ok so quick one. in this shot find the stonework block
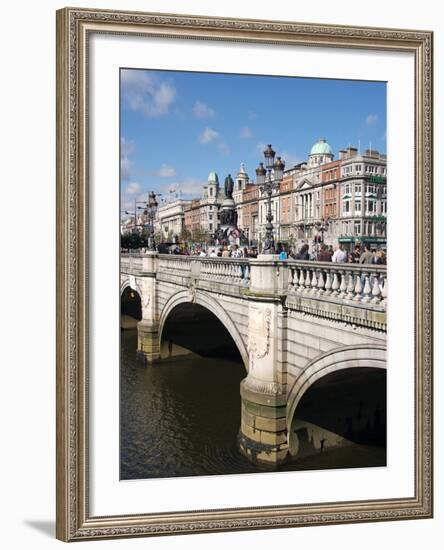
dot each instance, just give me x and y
(273, 438)
(270, 424)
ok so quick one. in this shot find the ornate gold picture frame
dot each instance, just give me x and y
(75, 27)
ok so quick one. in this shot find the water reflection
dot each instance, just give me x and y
(181, 418)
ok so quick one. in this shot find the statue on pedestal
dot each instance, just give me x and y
(229, 186)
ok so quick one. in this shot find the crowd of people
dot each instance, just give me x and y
(217, 251)
(361, 253)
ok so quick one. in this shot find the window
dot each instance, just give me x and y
(370, 205)
(210, 190)
(347, 188)
(358, 167)
(346, 207)
(357, 228)
(358, 206)
(211, 226)
(357, 187)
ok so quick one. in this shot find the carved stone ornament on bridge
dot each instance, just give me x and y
(192, 292)
(259, 334)
(261, 386)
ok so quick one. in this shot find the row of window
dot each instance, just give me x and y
(370, 206)
(367, 168)
(365, 228)
(369, 188)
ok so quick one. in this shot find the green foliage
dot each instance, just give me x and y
(132, 241)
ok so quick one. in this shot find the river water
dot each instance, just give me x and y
(182, 418)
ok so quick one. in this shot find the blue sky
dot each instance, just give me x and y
(176, 127)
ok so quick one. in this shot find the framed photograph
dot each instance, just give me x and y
(244, 274)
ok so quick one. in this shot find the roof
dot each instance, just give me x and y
(212, 177)
(321, 147)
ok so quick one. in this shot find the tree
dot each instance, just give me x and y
(185, 235)
(132, 241)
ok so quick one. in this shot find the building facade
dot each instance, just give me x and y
(170, 219)
(320, 200)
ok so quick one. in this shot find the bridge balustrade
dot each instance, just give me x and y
(359, 284)
(356, 284)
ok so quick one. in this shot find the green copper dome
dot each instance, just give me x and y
(321, 147)
(212, 177)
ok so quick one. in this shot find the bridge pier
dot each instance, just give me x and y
(148, 344)
(263, 434)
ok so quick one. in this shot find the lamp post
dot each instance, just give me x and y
(321, 228)
(269, 178)
(150, 212)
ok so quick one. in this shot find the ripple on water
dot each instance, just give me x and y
(182, 418)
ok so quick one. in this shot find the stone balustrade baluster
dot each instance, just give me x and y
(290, 287)
(384, 293)
(350, 287)
(358, 289)
(376, 290)
(327, 291)
(321, 283)
(247, 274)
(307, 281)
(367, 290)
(301, 281)
(314, 282)
(295, 279)
(343, 286)
(335, 285)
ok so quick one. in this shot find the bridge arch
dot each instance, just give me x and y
(125, 283)
(212, 305)
(332, 361)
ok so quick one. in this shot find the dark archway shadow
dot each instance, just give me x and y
(343, 412)
(195, 328)
(350, 402)
(131, 304)
(47, 527)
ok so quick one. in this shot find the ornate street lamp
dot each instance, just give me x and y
(269, 179)
(150, 212)
(321, 228)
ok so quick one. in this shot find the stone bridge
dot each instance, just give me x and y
(293, 322)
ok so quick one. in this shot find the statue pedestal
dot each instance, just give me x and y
(228, 221)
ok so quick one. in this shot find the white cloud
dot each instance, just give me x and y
(126, 148)
(133, 188)
(223, 148)
(202, 110)
(208, 135)
(125, 168)
(166, 171)
(246, 132)
(371, 120)
(290, 159)
(147, 93)
(186, 188)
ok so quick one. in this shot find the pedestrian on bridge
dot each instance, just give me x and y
(340, 256)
